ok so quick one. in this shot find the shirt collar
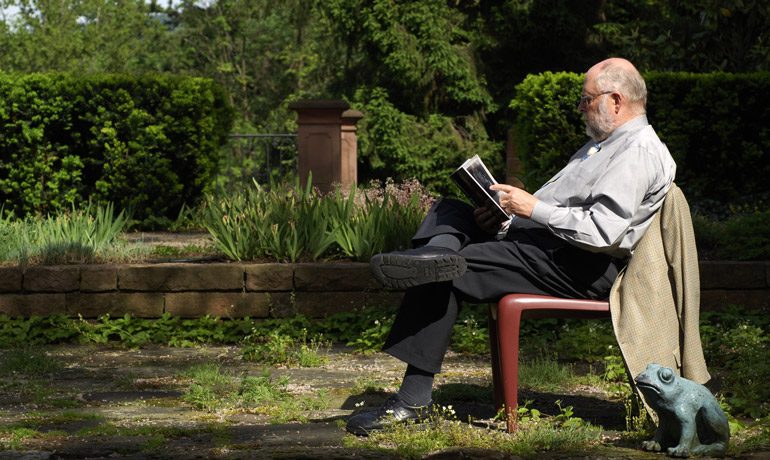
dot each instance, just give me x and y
(633, 124)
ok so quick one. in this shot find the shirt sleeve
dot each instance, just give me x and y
(598, 219)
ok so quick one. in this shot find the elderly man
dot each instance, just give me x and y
(569, 239)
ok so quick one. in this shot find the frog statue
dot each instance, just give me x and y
(690, 419)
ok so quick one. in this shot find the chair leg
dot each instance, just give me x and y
(497, 384)
(508, 327)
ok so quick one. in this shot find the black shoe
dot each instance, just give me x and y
(392, 411)
(427, 264)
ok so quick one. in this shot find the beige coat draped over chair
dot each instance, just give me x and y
(655, 301)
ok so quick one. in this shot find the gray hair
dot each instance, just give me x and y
(624, 79)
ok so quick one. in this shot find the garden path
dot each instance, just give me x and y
(103, 402)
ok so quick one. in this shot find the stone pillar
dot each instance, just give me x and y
(326, 142)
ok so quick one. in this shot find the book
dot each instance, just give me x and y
(474, 179)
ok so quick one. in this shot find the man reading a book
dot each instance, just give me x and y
(569, 239)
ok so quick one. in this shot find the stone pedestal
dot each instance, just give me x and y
(326, 142)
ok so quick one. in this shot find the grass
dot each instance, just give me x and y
(545, 374)
(443, 431)
(213, 390)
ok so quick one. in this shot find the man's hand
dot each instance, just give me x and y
(487, 221)
(515, 200)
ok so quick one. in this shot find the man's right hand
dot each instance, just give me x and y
(487, 221)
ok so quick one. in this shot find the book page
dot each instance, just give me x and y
(483, 177)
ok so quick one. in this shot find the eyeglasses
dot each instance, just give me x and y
(586, 100)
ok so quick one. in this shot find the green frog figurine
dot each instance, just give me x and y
(690, 419)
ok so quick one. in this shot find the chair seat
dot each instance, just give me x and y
(505, 326)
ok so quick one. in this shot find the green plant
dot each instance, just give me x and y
(537, 433)
(292, 222)
(468, 336)
(544, 374)
(213, 390)
(742, 235)
(427, 147)
(78, 236)
(277, 348)
(716, 140)
(586, 340)
(28, 361)
(145, 143)
(735, 340)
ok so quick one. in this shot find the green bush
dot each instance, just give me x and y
(548, 127)
(736, 341)
(401, 146)
(742, 236)
(715, 125)
(148, 144)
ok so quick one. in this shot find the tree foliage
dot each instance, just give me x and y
(434, 77)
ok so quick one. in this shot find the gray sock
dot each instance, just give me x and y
(445, 240)
(417, 387)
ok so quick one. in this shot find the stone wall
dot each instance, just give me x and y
(231, 290)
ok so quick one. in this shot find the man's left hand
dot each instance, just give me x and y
(515, 200)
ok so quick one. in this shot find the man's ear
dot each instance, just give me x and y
(617, 101)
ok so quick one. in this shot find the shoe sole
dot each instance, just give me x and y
(400, 271)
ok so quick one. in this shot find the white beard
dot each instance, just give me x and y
(601, 125)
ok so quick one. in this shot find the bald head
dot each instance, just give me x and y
(620, 76)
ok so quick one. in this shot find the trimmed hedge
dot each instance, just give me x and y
(145, 143)
(717, 127)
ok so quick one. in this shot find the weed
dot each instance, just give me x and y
(470, 334)
(79, 236)
(215, 391)
(29, 361)
(442, 430)
(545, 374)
(279, 349)
(13, 438)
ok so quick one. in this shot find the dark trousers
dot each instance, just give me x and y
(530, 260)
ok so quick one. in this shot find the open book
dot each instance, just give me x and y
(474, 179)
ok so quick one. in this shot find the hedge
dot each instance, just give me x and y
(717, 127)
(144, 143)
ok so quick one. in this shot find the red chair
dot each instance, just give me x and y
(504, 327)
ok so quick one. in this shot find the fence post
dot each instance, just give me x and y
(326, 142)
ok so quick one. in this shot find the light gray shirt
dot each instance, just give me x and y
(606, 196)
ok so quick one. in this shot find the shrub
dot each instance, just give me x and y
(402, 146)
(743, 236)
(146, 143)
(715, 126)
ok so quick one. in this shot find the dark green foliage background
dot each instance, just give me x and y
(148, 144)
(716, 126)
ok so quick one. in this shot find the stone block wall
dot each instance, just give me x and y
(273, 290)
